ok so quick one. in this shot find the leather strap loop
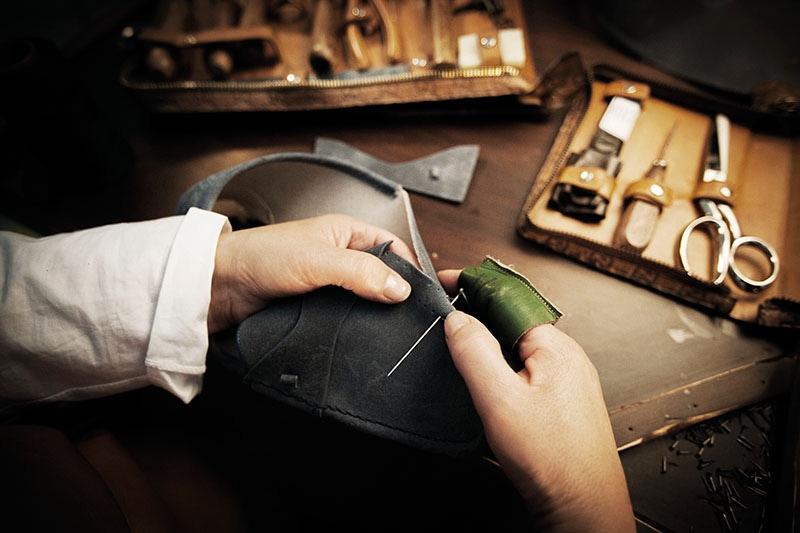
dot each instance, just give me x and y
(593, 179)
(718, 191)
(627, 89)
(649, 190)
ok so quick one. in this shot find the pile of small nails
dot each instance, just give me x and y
(734, 491)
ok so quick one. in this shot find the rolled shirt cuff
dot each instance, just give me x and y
(176, 353)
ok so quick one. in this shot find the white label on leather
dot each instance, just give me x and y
(512, 47)
(468, 52)
(620, 117)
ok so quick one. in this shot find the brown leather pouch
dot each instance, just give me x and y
(267, 55)
(763, 170)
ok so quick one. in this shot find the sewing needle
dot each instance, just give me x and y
(438, 318)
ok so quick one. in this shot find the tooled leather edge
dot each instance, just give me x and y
(779, 313)
(639, 271)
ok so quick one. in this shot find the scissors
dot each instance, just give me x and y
(713, 198)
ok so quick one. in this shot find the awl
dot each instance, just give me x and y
(644, 200)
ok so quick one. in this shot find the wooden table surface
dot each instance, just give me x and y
(662, 364)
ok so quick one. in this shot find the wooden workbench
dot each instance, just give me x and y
(663, 365)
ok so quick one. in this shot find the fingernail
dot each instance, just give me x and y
(455, 321)
(396, 289)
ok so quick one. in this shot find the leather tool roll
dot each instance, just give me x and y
(763, 170)
(248, 56)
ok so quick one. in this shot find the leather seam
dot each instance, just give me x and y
(332, 358)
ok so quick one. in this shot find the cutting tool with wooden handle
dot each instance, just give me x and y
(644, 200)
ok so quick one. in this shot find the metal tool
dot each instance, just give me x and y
(391, 34)
(417, 45)
(219, 59)
(713, 198)
(444, 47)
(645, 198)
(494, 8)
(171, 16)
(357, 15)
(586, 183)
(416, 343)
(365, 18)
(325, 49)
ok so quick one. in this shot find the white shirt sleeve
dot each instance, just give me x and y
(108, 309)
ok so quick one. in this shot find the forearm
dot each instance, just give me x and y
(95, 312)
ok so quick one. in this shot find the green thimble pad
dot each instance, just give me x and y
(505, 301)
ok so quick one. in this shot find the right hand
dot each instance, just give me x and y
(546, 424)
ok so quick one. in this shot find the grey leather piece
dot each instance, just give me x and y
(292, 186)
(446, 174)
(328, 352)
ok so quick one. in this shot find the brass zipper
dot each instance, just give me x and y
(327, 83)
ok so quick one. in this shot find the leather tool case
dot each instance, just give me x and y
(297, 55)
(763, 171)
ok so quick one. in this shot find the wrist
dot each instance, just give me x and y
(220, 309)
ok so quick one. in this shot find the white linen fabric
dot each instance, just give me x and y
(107, 309)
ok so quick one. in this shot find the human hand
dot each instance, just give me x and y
(547, 424)
(256, 265)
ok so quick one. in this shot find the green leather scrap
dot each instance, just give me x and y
(505, 301)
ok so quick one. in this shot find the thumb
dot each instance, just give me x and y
(477, 356)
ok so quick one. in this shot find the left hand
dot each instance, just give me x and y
(254, 266)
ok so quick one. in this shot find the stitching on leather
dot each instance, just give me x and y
(332, 357)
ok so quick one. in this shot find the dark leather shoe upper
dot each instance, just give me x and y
(328, 352)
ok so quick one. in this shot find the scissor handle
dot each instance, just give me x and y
(723, 245)
(725, 260)
(745, 282)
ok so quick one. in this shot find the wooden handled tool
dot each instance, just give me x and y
(644, 200)
(220, 61)
(416, 33)
(325, 52)
(444, 48)
(171, 16)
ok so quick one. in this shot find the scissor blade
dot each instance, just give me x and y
(723, 126)
(716, 168)
(712, 158)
